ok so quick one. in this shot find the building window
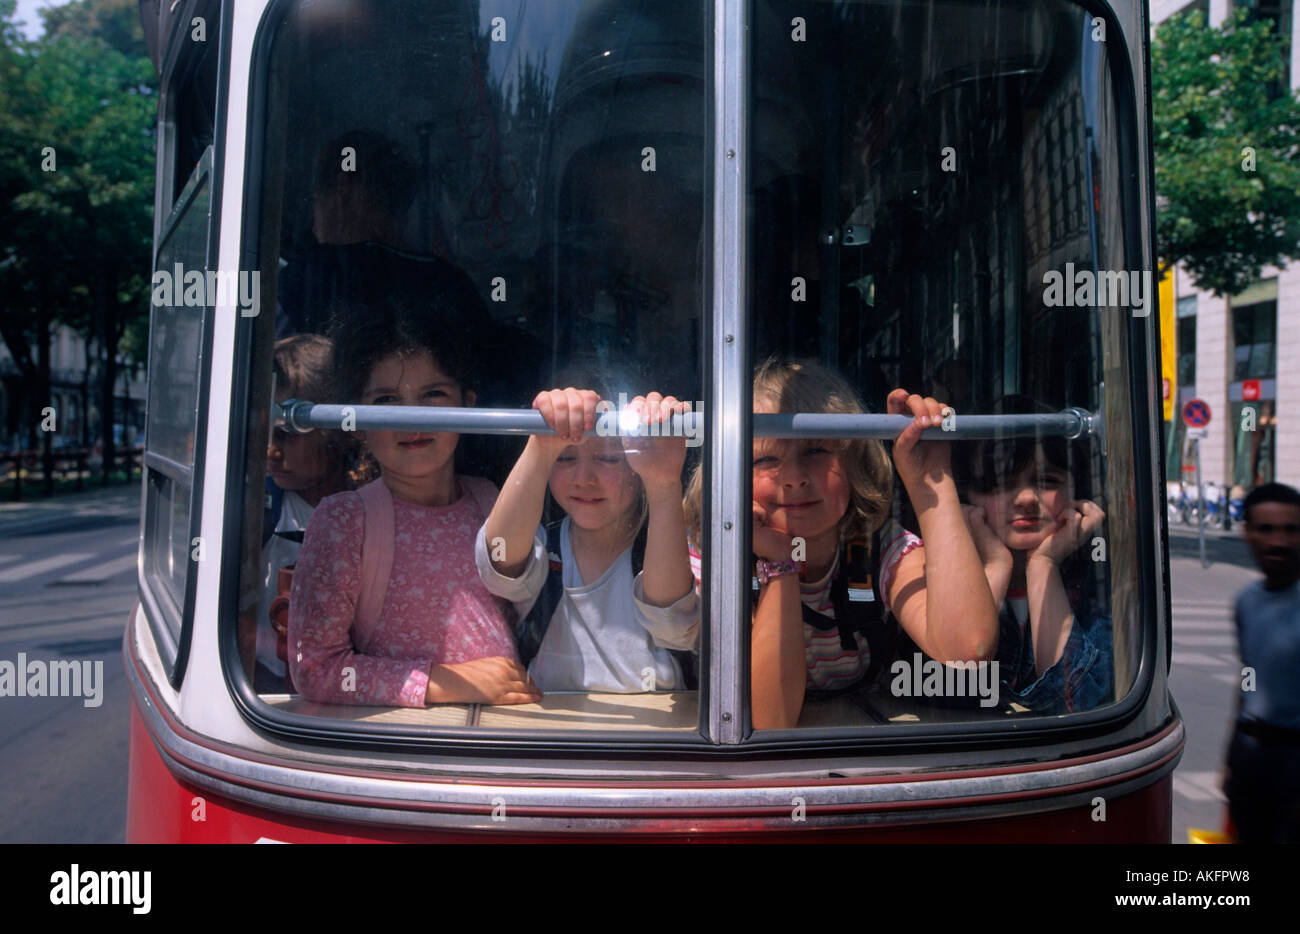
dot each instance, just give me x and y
(1254, 338)
(1185, 339)
(1277, 13)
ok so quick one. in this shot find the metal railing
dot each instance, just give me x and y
(302, 416)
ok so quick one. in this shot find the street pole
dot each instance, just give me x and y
(1200, 510)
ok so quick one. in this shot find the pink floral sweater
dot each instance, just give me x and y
(436, 610)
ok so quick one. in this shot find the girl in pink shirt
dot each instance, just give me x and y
(434, 634)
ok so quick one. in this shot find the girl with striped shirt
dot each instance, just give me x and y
(822, 524)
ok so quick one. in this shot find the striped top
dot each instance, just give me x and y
(830, 666)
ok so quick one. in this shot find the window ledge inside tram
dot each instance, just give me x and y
(677, 710)
(661, 711)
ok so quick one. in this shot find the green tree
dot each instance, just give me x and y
(1227, 143)
(76, 178)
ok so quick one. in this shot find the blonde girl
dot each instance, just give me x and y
(615, 628)
(821, 518)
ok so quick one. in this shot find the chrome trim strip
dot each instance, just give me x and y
(729, 442)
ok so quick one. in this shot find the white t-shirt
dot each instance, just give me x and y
(604, 637)
(277, 553)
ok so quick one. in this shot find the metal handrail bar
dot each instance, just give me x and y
(303, 416)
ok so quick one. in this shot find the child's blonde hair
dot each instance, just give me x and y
(602, 380)
(805, 386)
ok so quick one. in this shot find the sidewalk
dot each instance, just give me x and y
(1220, 547)
(120, 501)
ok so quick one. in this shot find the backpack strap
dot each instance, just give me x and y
(532, 628)
(273, 507)
(859, 605)
(638, 550)
(376, 551)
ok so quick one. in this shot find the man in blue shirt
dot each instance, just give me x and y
(1263, 785)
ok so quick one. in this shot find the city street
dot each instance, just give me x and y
(1206, 672)
(67, 583)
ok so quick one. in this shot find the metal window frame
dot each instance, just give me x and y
(169, 619)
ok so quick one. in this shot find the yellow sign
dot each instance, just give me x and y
(1168, 352)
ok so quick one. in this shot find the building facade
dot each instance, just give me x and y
(1240, 354)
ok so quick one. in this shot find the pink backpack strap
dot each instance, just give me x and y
(376, 552)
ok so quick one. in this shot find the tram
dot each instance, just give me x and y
(681, 190)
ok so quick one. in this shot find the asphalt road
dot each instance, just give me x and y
(1205, 676)
(67, 583)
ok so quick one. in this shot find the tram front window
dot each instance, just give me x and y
(476, 206)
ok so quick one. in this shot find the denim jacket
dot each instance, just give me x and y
(1082, 678)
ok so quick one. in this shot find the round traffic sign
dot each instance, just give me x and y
(1196, 413)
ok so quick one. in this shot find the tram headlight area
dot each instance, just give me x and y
(303, 416)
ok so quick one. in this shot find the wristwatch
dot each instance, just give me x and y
(766, 570)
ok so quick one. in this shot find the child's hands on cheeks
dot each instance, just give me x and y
(658, 460)
(915, 460)
(495, 680)
(993, 553)
(1073, 526)
(769, 542)
(570, 412)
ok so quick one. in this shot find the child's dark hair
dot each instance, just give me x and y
(992, 464)
(366, 331)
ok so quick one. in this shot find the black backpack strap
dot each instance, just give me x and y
(860, 572)
(638, 550)
(273, 506)
(532, 628)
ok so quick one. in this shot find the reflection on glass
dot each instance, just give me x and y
(909, 207)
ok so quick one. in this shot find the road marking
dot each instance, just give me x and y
(1201, 609)
(1198, 786)
(1226, 642)
(1223, 625)
(24, 571)
(1195, 658)
(97, 574)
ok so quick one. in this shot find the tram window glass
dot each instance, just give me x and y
(175, 346)
(531, 184)
(191, 103)
(919, 170)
